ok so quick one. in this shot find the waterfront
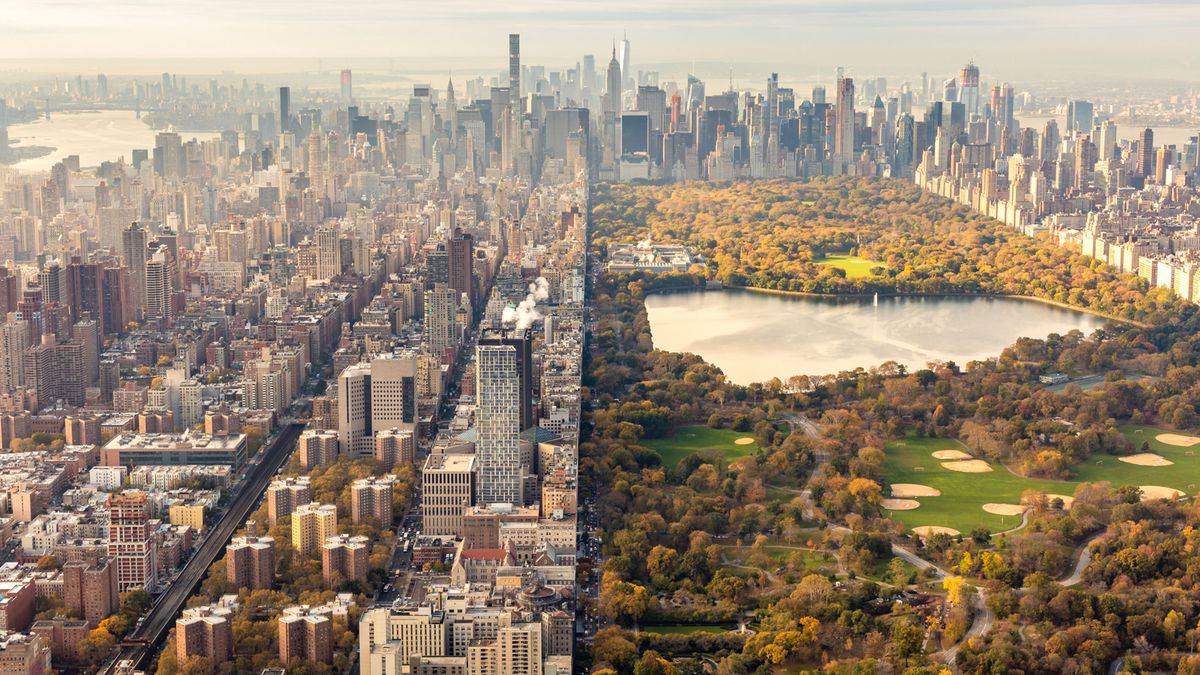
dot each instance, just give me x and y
(95, 135)
(1126, 130)
(754, 336)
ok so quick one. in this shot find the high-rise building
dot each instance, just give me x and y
(372, 498)
(14, 338)
(521, 340)
(394, 448)
(623, 58)
(191, 408)
(131, 543)
(312, 524)
(968, 88)
(317, 448)
(133, 240)
(843, 130)
(413, 631)
(462, 264)
(1146, 152)
(514, 70)
(54, 371)
(376, 396)
(393, 395)
(519, 648)
(206, 632)
(1107, 143)
(1079, 116)
(447, 491)
(440, 330)
(285, 495)
(90, 590)
(169, 160)
(250, 562)
(160, 276)
(354, 411)
(329, 250)
(347, 87)
(345, 558)
(285, 110)
(306, 635)
(498, 417)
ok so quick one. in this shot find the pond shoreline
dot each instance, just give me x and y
(944, 294)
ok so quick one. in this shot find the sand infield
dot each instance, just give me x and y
(1004, 509)
(968, 466)
(1067, 501)
(1146, 459)
(950, 454)
(1179, 440)
(744, 441)
(900, 504)
(1150, 492)
(903, 490)
(929, 530)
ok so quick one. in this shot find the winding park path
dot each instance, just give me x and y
(1081, 563)
(983, 617)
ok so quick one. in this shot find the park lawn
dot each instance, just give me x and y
(690, 629)
(854, 266)
(1183, 475)
(960, 505)
(697, 438)
(814, 560)
(878, 570)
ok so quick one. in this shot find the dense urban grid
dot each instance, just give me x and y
(310, 395)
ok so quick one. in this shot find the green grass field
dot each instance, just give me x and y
(690, 439)
(960, 505)
(690, 629)
(778, 556)
(854, 266)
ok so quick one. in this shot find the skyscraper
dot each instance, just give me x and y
(522, 343)
(843, 130)
(461, 264)
(285, 110)
(514, 70)
(160, 274)
(133, 240)
(1079, 116)
(968, 88)
(499, 419)
(347, 87)
(1146, 152)
(624, 60)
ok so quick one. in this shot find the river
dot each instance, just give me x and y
(753, 336)
(95, 135)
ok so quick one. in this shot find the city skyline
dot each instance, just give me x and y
(1016, 39)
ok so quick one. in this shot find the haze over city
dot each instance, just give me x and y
(1091, 39)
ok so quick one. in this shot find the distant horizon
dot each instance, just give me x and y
(1016, 40)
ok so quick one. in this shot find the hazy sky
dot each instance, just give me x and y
(1043, 39)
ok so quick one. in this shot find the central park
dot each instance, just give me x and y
(893, 500)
